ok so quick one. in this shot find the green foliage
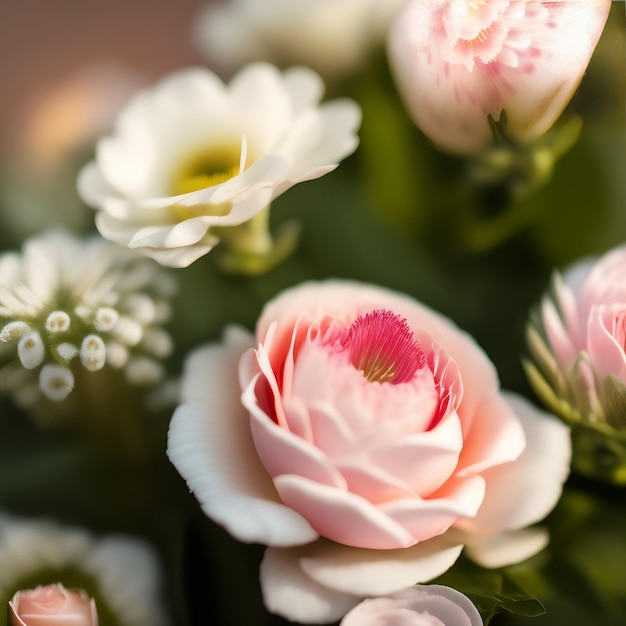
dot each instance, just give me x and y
(491, 591)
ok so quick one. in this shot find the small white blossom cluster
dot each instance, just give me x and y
(67, 302)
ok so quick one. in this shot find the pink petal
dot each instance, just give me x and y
(282, 452)
(331, 434)
(424, 460)
(374, 484)
(540, 96)
(340, 515)
(418, 605)
(558, 336)
(606, 352)
(425, 519)
(524, 491)
(210, 445)
(495, 436)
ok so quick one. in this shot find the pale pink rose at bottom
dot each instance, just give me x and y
(365, 439)
(420, 605)
(52, 605)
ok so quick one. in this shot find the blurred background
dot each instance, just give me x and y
(45, 45)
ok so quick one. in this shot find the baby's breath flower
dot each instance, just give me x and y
(68, 304)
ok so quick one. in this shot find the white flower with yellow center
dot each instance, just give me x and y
(68, 304)
(193, 157)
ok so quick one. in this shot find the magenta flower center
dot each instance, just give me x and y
(381, 346)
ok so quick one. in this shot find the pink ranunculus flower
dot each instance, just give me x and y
(52, 605)
(365, 440)
(420, 605)
(458, 61)
(577, 344)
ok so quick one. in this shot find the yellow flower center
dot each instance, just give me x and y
(207, 170)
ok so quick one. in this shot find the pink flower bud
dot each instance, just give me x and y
(52, 605)
(420, 605)
(458, 61)
(577, 345)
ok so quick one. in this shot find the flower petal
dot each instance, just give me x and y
(506, 548)
(210, 445)
(424, 605)
(377, 572)
(431, 517)
(524, 491)
(281, 451)
(289, 592)
(340, 515)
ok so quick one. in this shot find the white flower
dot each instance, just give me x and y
(331, 36)
(65, 301)
(123, 570)
(194, 156)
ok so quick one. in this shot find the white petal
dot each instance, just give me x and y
(91, 185)
(178, 257)
(506, 548)
(56, 381)
(209, 442)
(289, 592)
(115, 230)
(186, 233)
(265, 172)
(128, 574)
(378, 572)
(305, 87)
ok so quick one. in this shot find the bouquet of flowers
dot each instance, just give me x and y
(328, 328)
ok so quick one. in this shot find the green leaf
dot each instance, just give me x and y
(490, 590)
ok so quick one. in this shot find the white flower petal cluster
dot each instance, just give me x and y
(66, 302)
(193, 156)
(331, 36)
(124, 570)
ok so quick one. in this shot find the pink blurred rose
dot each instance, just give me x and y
(420, 605)
(577, 340)
(365, 442)
(458, 61)
(52, 604)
